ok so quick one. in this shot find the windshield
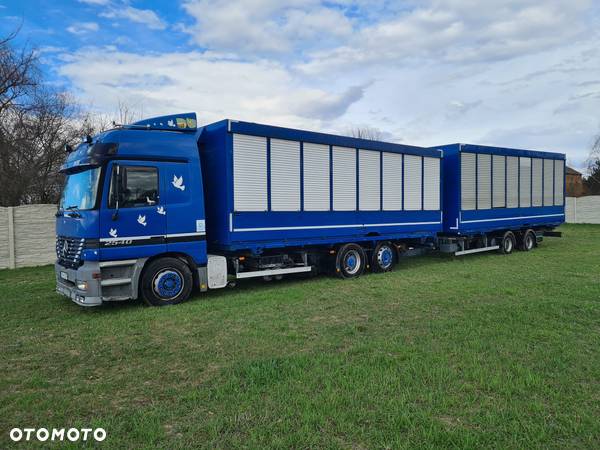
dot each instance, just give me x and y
(80, 190)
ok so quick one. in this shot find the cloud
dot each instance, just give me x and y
(458, 31)
(95, 2)
(82, 27)
(143, 16)
(215, 87)
(252, 27)
(519, 73)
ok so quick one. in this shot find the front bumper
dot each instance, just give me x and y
(67, 280)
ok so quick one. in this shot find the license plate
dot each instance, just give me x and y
(64, 276)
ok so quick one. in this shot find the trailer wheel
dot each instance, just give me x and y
(383, 257)
(166, 281)
(507, 243)
(350, 261)
(528, 241)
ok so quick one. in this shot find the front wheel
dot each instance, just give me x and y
(166, 281)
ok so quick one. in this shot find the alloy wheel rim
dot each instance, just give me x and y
(352, 262)
(167, 284)
(385, 257)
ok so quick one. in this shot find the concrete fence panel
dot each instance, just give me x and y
(27, 236)
(583, 209)
(570, 212)
(4, 239)
(34, 235)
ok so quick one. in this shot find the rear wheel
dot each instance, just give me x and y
(528, 241)
(507, 243)
(383, 257)
(166, 281)
(350, 261)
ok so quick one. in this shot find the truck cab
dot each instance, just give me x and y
(131, 216)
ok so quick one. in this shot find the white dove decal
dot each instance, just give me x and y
(113, 232)
(161, 210)
(178, 182)
(142, 220)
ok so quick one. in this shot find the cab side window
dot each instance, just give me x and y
(134, 186)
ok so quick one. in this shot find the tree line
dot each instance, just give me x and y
(38, 120)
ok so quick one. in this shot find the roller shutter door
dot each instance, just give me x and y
(316, 177)
(537, 171)
(249, 173)
(369, 196)
(512, 182)
(524, 182)
(392, 181)
(467, 181)
(344, 179)
(559, 180)
(499, 181)
(431, 184)
(285, 175)
(484, 181)
(548, 182)
(412, 182)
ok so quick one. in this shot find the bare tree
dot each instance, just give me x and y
(32, 142)
(18, 72)
(366, 132)
(592, 182)
(94, 123)
(35, 124)
(127, 113)
(36, 121)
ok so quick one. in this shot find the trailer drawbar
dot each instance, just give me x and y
(158, 208)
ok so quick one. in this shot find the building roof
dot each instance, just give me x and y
(571, 171)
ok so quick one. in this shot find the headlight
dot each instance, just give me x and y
(82, 285)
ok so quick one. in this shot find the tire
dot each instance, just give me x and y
(166, 281)
(350, 261)
(384, 257)
(528, 241)
(507, 243)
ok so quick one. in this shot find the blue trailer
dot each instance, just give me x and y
(161, 207)
(500, 198)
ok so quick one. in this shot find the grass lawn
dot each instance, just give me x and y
(479, 351)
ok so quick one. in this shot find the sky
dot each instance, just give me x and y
(515, 73)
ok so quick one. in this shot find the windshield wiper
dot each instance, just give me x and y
(74, 214)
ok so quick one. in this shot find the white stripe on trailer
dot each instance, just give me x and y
(199, 233)
(271, 272)
(318, 227)
(512, 218)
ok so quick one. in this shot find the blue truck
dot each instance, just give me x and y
(161, 207)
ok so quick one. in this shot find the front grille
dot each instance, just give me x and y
(68, 251)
